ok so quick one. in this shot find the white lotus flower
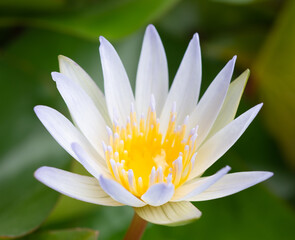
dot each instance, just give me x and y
(148, 151)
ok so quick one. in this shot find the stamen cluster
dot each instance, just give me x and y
(139, 156)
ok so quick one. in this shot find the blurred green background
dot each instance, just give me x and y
(33, 33)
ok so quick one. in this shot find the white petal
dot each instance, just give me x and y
(82, 109)
(64, 132)
(232, 183)
(119, 193)
(171, 213)
(93, 165)
(152, 73)
(83, 188)
(186, 85)
(74, 72)
(231, 103)
(211, 102)
(217, 145)
(117, 88)
(158, 194)
(198, 185)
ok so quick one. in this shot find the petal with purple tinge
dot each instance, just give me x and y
(196, 186)
(232, 183)
(218, 144)
(90, 163)
(158, 194)
(119, 193)
(65, 133)
(80, 187)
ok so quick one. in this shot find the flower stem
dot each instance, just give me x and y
(136, 228)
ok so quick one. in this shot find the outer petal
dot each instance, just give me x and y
(119, 193)
(74, 72)
(217, 145)
(232, 183)
(171, 213)
(91, 164)
(198, 185)
(117, 88)
(186, 85)
(65, 133)
(83, 111)
(231, 103)
(76, 186)
(211, 102)
(158, 194)
(152, 73)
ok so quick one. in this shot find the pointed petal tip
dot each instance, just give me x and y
(65, 59)
(56, 76)
(232, 62)
(151, 27)
(104, 43)
(245, 76)
(62, 57)
(36, 173)
(39, 173)
(257, 108)
(227, 168)
(151, 32)
(37, 109)
(229, 68)
(53, 76)
(103, 40)
(196, 37)
(267, 175)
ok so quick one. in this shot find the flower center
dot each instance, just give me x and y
(138, 155)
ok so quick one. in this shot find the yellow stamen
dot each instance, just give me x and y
(138, 156)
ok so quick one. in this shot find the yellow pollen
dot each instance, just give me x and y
(138, 155)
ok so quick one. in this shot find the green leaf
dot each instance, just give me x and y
(274, 71)
(25, 202)
(113, 19)
(31, 4)
(69, 234)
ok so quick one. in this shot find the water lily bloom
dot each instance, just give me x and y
(148, 150)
